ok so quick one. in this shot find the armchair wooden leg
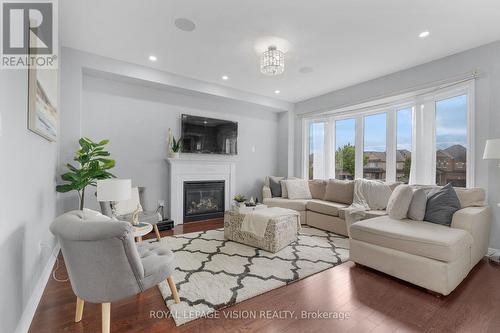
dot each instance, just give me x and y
(173, 289)
(106, 317)
(157, 232)
(79, 309)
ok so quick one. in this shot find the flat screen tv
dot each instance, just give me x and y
(209, 136)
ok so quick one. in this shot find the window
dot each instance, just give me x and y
(345, 138)
(317, 150)
(377, 140)
(374, 154)
(451, 141)
(404, 130)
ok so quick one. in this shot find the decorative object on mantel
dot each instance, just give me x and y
(492, 152)
(174, 146)
(93, 166)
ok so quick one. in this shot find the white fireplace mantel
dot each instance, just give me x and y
(183, 169)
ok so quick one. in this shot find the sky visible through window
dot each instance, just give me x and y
(404, 129)
(451, 122)
(345, 132)
(375, 132)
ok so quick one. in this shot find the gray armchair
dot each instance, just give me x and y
(105, 264)
(152, 217)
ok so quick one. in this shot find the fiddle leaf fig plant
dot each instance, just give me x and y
(93, 165)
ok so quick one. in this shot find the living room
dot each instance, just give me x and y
(253, 166)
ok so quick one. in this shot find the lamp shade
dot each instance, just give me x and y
(114, 189)
(492, 150)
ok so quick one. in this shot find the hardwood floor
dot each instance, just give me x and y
(374, 302)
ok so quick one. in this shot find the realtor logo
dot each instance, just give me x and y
(29, 35)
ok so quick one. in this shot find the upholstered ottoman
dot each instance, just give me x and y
(280, 232)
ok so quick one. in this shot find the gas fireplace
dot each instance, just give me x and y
(203, 200)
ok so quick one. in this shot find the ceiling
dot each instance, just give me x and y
(344, 41)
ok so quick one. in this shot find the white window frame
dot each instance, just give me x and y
(423, 134)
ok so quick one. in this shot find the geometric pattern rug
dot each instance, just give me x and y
(213, 273)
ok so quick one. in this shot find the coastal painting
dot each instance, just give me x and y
(42, 114)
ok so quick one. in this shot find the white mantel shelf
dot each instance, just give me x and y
(197, 169)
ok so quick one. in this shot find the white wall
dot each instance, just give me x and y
(136, 119)
(103, 98)
(27, 201)
(485, 59)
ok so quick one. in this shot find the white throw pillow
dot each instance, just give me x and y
(127, 206)
(399, 202)
(298, 189)
(284, 192)
(416, 211)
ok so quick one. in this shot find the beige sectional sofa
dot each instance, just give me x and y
(429, 255)
(317, 212)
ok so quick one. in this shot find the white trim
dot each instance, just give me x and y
(387, 99)
(391, 146)
(359, 147)
(30, 309)
(304, 173)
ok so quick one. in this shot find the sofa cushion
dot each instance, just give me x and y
(471, 197)
(275, 186)
(419, 238)
(369, 214)
(399, 202)
(325, 207)
(298, 189)
(339, 191)
(416, 211)
(295, 204)
(317, 188)
(441, 205)
(284, 191)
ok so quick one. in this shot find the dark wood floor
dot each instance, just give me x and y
(374, 301)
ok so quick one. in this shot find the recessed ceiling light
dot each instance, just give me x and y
(225, 77)
(424, 34)
(184, 24)
(277, 91)
(152, 58)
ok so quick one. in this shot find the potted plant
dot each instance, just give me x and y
(240, 200)
(174, 146)
(93, 166)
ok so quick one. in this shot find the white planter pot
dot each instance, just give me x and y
(173, 155)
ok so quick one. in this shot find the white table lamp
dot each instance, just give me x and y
(492, 150)
(114, 189)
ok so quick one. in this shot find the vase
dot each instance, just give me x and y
(173, 154)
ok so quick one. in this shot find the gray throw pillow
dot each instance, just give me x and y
(275, 186)
(416, 211)
(441, 205)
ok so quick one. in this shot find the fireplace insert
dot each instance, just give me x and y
(203, 200)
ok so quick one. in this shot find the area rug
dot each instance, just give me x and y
(213, 273)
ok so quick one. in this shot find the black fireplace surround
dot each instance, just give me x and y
(203, 200)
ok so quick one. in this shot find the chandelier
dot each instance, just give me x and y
(272, 61)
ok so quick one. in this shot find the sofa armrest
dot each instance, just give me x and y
(266, 192)
(477, 222)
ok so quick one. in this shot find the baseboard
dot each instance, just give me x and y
(29, 311)
(492, 251)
